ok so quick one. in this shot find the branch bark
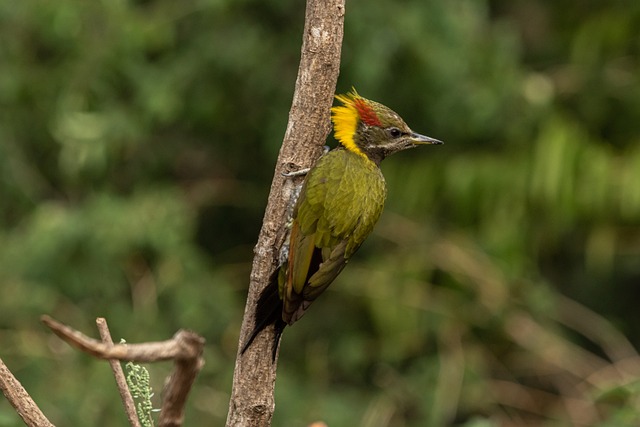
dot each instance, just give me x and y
(252, 402)
(118, 374)
(185, 349)
(20, 399)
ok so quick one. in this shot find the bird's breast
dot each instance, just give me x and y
(342, 198)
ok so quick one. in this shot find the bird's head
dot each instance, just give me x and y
(371, 129)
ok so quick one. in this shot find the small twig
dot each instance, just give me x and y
(20, 399)
(184, 345)
(180, 383)
(594, 327)
(118, 373)
(185, 348)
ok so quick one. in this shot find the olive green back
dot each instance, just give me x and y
(341, 201)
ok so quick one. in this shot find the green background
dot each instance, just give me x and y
(501, 286)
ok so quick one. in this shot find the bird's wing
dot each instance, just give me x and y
(332, 218)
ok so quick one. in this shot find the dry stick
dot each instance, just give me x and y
(180, 383)
(118, 373)
(20, 399)
(252, 402)
(185, 348)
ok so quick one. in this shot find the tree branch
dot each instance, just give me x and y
(20, 399)
(185, 349)
(118, 374)
(252, 402)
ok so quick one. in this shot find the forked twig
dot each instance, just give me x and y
(185, 349)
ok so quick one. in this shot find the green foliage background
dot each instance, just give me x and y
(137, 144)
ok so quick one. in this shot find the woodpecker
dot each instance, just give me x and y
(340, 202)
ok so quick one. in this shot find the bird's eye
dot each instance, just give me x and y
(395, 132)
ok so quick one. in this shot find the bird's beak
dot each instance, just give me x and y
(418, 139)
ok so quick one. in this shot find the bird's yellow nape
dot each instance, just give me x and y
(345, 119)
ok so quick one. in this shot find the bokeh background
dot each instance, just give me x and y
(501, 287)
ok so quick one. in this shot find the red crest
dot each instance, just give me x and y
(366, 113)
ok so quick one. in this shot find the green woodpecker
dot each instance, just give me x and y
(340, 202)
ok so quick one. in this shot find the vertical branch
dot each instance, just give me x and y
(118, 374)
(252, 402)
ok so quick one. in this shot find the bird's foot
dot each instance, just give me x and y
(303, 172)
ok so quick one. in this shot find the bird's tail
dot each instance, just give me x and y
(268, 312)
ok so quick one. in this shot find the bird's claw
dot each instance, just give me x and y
(300, 172)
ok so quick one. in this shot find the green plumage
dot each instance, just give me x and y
(339, 204)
